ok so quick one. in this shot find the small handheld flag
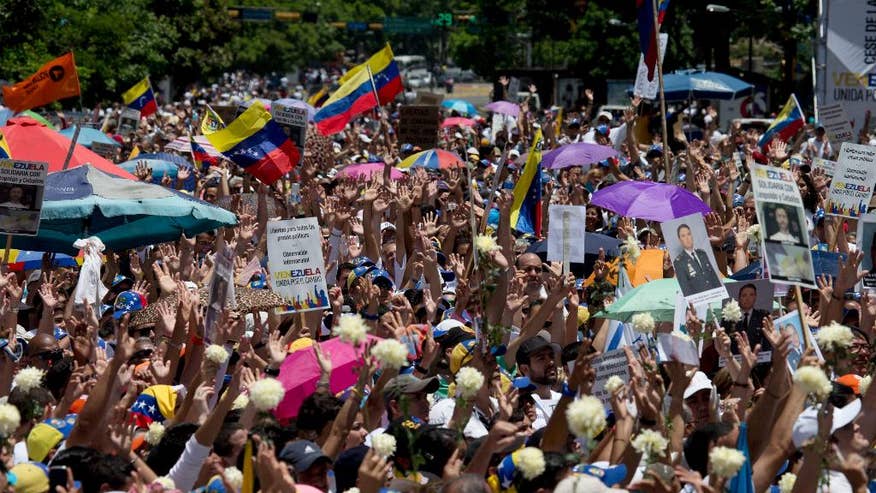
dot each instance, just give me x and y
(141, 98)
(786, 124)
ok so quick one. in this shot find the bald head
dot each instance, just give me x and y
(530, 265)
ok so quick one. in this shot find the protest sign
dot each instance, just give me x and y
(254, 265)
(867, 245)
(129, 121)
(565, 235)
(692, 258)
(221, 291)
(780, 214)
(296, 264)
(644, 87)
(791, 324)
(418, 125)
(21, 196)
(825, 165)
(104, 150)
(836, 123)
(606, 365)
(293, 120)
(853, 178)
(677, 346)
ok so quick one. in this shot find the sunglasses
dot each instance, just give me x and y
(53, 355)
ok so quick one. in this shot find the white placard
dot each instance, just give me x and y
(296, 264)
(677, 347)
(853, 178)
(836, 123)
(607, 365)
(826, 165)
(783, 226)
(645, 88)
(566, 233)
(22, 184)
(293, 119)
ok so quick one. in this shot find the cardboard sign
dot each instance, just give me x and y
(418, 125)
(783, 226)
(853, 178)
(296, 264)
(645, 88)
(826, 165)
(104, 150)
(129, 121)
(608, 364)
(293, 120)
(836, 123)
(566, 234)
(21, 196)
(693, 260)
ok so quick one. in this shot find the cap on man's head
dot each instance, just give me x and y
(127, 302)
(806, 426)
(605, 115)
(409, 384)
(699, 382)
(30, 478)
(605, 472)
(302, 455)
(851, 381)
(473, 152)
(532, 346)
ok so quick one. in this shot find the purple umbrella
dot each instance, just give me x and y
(504, 108)
(649, 200)
(580, 154)
(366, 170)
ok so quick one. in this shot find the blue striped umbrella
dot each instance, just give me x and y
(460, 106)
(85, 201)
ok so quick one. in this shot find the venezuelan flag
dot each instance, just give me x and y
(319, 97)
(647, 35)
(141, 98)
(257, 144)
(526, 207)
(5, 153)
(786, 124)
(661, 10)
(211, 121)
(199, 154)
(357, 93)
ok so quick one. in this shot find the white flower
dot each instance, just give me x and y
(631, 247)
(351, 329)
(240, 402)
(614, 382)
(864, 384)
(10, 418)
(383, 444)
(725, 461)
(266, 393)
(390, 353)
(530, 462)
(468, 382)
(786, 484)
(486, 244)
(650, 443)
(813, 380)
(234, 477)
(643, 323)
(216, 353)
(731, 311)
(586, 417)
(29, 378)
(154, 433)
(753, 232)
(165, 482)
(834, 337)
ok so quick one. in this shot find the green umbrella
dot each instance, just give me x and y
(39, 118)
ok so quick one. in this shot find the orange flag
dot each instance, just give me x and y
(55, 80)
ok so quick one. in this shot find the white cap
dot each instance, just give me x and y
(386, 225)
(605, 114)
(699, 382)
(514, 153)
(364, 138)
(806, 426)
(472, 150)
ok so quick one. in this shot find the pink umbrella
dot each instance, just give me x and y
(458, 121)
(504, 108)
(367, 170)
(300, 372)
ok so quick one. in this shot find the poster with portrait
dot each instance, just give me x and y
(853, 178)
(21, 196)
(791, 324)
(693, 260)
(867, 246)
(783, 226)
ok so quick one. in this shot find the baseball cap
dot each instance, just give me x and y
(302, 454)
(381, 278)
(806, 426)
(699, 382)
(444, 327)
(602, 129)
(409, 384)
(386, 225)
(605, 472)
(473, 152)
(513, 154)
(532, 346)
(851, 381)
(127, 302)
(30, 478)
(47, 435)
(605, 114)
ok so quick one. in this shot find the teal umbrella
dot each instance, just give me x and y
(88, 136)
(85, 201)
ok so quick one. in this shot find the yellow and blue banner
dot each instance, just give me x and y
(359, 92)
(141, 98)
(526, 208)
(5, 153)
(786, 124)
(257, 144)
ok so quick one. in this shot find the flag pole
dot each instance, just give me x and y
(373, 88)
(666, 163)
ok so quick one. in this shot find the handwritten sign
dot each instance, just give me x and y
(836, 123)
(609, 364)
(296, 264)
(853, 178)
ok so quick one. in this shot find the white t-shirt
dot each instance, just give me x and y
(442, 412)
(544, 408)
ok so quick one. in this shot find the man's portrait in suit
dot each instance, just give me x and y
(752, 317)
(693, 266)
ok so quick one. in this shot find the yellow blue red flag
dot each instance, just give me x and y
(526, 206)
(5, 153)
(141, 98)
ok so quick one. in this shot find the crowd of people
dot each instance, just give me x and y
(490, 384)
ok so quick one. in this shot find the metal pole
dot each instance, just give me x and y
(662, 96)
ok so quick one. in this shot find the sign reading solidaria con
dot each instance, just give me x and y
(853, 178)
(21, 196)
(296, 264)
